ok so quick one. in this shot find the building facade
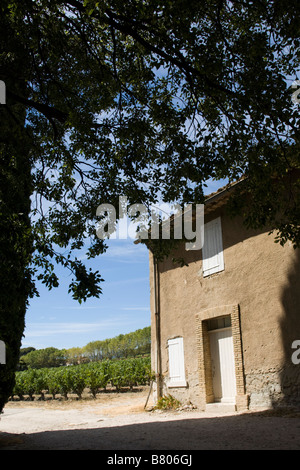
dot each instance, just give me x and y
(224, 325)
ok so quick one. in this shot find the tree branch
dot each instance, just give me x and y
(128, 28)
(49, 111)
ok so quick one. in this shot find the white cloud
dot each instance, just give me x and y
(146, 309)
(126, 281)
(126, 252)
(57, 328)
(77, 307)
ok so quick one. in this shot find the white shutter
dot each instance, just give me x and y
(213, 260)
(176, 363)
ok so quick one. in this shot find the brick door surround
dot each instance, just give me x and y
(204, 359)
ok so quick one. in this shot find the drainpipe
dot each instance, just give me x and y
(156, 288)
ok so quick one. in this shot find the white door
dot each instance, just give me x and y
(223, 369)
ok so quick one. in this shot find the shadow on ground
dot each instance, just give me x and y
(240, 432)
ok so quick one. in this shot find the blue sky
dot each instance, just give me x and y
(55, 319)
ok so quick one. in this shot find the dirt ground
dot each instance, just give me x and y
(118, 421)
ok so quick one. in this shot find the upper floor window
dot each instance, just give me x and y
(212, 252)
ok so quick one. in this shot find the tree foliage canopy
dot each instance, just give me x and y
(147, 99)
(48, 357)
(150, 99)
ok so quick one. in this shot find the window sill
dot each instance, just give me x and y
(182, 383)
(207, 275)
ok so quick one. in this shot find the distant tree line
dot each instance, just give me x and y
(134, 344)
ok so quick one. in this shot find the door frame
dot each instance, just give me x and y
(205, 387)
(218, 382)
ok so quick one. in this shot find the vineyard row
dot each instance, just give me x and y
(95, 376)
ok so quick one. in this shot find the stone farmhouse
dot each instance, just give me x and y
(224, 326)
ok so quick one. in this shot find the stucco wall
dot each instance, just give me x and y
(262, 278)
